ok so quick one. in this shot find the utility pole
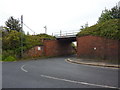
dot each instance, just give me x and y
(21, 36)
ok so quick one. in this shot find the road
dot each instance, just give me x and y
(56, 73)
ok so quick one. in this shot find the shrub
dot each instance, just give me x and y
(0, 57)
(109, 29)
(10, 58)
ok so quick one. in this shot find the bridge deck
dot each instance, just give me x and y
(70, 36)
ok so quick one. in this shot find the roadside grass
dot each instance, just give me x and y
(11, 58)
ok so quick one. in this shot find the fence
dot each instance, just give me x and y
(62, 34)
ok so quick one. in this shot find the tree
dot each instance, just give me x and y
(106, 15)
(115, 12)
(11, 43)
(13, 24)
(11, 40)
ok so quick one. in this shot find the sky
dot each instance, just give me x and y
(64, 15)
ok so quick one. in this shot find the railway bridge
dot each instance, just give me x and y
(62, 45)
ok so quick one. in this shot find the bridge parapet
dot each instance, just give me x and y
(66, 34)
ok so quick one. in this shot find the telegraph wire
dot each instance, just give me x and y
(29, 28)
(22, 35)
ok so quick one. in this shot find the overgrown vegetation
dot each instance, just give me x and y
(108, 25)
(106, 15)
(12, 37)
(109, 29)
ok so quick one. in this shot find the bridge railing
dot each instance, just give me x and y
(61, 34)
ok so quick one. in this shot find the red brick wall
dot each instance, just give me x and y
(105, 48)
(34, 52)
(57, 48)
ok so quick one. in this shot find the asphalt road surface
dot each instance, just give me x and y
(56, 73)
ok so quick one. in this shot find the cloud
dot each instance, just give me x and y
(56, 14)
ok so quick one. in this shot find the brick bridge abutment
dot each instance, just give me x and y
(57, 47)
(93, 47)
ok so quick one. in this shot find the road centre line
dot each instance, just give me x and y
(84, 83)
(22, 68)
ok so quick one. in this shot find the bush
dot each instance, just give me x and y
(7, 53)
(106, 15)
(109, 29)
(0, 57)
(10, 58)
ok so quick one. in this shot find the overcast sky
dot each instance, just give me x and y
(57, 15)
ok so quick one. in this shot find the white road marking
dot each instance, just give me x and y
(22, 68)
(84, 83)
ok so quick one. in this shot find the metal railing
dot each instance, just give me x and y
(62, 34)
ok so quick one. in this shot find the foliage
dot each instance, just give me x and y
(13, 24)
(84, 26)
(46, 36)
(109, 29)
(115, 12)
(10, 58)
(106, 15)
(0, 57)
(107, 25)
(11, 42)
(34, 40)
